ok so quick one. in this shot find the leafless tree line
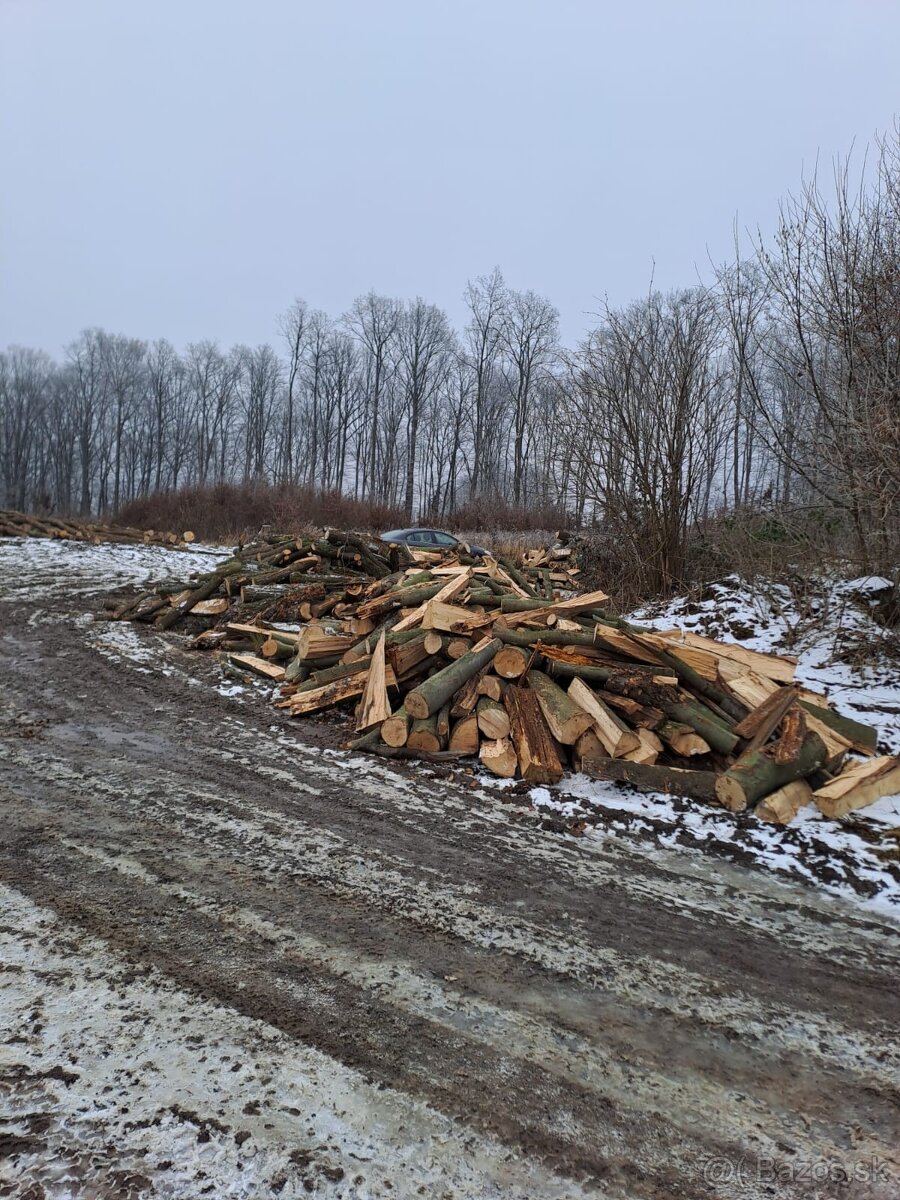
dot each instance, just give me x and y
(388, 403)
(775, 387)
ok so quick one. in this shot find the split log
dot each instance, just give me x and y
(490, 685)
(317, 698)
(756, 774)
(649, 750)
(793, 731)
(535, 750)
(374, 708)
(781, 806)
(567, 720)
(493, 719)
(258, 666)
(616, 737)
(428, 697)
(862, 738)
(171, 616)
(499, 757)
(683, 740)
(673, 781)
(588, 746)
(858, 785)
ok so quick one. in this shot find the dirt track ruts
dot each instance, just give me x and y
(596, 1016)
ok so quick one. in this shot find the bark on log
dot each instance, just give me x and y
(756, 774)
(428, 697)
(672, 781)
(493, 719)
(538, 759)
(567, 720)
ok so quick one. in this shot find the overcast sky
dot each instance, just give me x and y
(184, 168)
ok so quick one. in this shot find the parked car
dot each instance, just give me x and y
(431, 539)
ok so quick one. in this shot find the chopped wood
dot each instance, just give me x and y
(375, 708)
(793, 731)
(538, 759)
(781, 806)
(499, 757)
(567, 720)
(858, 785)
(617, 739)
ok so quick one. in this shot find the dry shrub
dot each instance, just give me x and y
(224, 511)
(498, 516)
(767, 544)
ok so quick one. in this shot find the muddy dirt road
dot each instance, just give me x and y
(238, 963)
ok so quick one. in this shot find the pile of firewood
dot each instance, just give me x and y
(480, 657)
(16, 524)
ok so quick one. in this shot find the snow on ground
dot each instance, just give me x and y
(819, 622)
(822, 622)
(34, 568)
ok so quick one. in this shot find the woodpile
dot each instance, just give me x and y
(478, 657)
(16, 524)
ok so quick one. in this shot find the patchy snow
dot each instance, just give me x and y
(43, 567)
(818, 621)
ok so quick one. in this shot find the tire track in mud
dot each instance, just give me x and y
(614, 1014)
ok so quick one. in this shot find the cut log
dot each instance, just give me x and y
(457, 647)
(423, 736)
(781, 806)
(464, 736)
(617, 739)
(395, 730)
(428, 697)
(756, 774)
(374, 708)
(672, 781)
(567, 720)
(493, 719)
(535, 750)
(511, 662)
(499, 757)
(858, 785)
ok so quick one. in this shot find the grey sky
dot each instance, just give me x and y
(184, 168)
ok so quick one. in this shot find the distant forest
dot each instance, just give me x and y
(775, 388)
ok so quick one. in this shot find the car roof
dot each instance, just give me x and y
(414, 529)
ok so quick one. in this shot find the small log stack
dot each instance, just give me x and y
(461, 657)
(17, 524)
